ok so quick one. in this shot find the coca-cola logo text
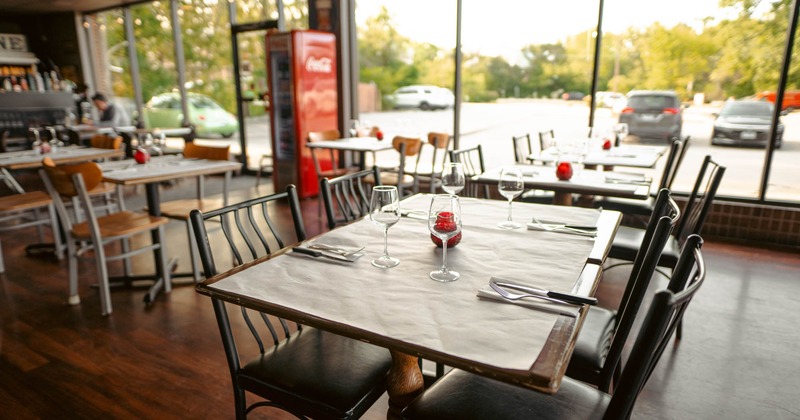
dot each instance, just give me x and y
(318, 65)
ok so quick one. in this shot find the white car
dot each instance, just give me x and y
(422, 97)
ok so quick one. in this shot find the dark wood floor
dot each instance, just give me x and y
(737, 358)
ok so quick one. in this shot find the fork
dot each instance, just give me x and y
(335, 250)
(516, 296)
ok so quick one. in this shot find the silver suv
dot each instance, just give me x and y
(653, 114)
(423, 97)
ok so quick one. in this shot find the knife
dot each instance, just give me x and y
(311, 252)
(566, 297)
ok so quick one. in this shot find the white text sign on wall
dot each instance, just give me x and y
(13, 42)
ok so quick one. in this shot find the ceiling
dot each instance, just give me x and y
(54, 6)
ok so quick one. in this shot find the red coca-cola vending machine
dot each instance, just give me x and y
(301, 67)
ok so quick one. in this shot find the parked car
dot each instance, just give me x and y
(791, 99)
(207, 116)
(608, 99)
(422, 97)
(653, 114)
(745, 123)
(572, 96)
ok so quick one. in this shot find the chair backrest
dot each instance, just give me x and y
(440, 143)
(666, 311)
(197, 151)
(248, 232)
(522, 147)
(252, 232)
(664, 218)
(69, 181)
(412, 145)
(546, 139)
(104, 141)
(329, 156)
(346, 197)
(677, 151)
(701, 199)
(472, 161)
(314, 136)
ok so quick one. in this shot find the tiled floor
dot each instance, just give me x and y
(736, 359)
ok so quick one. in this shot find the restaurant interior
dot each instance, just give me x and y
(139, 265)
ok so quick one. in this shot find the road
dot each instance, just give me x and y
(493, 124)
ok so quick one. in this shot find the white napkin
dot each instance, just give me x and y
(486, 292)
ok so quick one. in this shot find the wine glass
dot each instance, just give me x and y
(453, 178)
(510, 186)
(384, 211)
(444, 222)
(354, 126)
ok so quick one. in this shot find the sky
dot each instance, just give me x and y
(503, 27)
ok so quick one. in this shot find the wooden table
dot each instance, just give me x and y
(633, 156)
(360, 145)
(160, 169)
(404, 311)
(30, 159)
(589, 182)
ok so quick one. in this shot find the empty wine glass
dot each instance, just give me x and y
(384, 211)
(354, 126)
(453, 178)
(444, 222)
(510, 186)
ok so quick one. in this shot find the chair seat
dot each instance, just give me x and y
(25, 201)
(626, 205)
(333, 173)
(328, 375)
(463, 396)
(592, 345)
(118, 224)
(628, 240)
(180, 209)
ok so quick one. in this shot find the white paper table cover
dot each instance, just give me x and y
(31, 156)
(405, 304)
(545, 175)
(127, 170)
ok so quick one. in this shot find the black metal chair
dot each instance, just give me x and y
(523, 149)
(627, 240)
(547, 139)
(461, 395)
(306, 372)
(644, 208)
(472, 159)
(346, 197)
(598, 349)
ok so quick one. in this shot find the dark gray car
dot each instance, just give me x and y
(745, 123)
(653, 114)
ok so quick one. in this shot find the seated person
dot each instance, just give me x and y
(111, 115)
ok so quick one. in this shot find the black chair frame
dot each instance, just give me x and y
(472, 160)
(349, 194)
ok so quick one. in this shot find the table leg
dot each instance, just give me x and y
(562, 198)
(154, 208)
(405, 382)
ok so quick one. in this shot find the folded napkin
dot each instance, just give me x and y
(528, 171)
(560, 229)
(332, 246)
(486, 292)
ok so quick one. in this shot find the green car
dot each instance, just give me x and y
(207, 116)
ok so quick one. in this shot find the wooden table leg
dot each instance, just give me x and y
(404, 382)
(562, 198)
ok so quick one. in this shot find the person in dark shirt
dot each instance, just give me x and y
(111, 115)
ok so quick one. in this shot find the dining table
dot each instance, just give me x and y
(151, 175)
(633, 156)
(32, 159)
(464, 324)
(359, 145)
(583, 181)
